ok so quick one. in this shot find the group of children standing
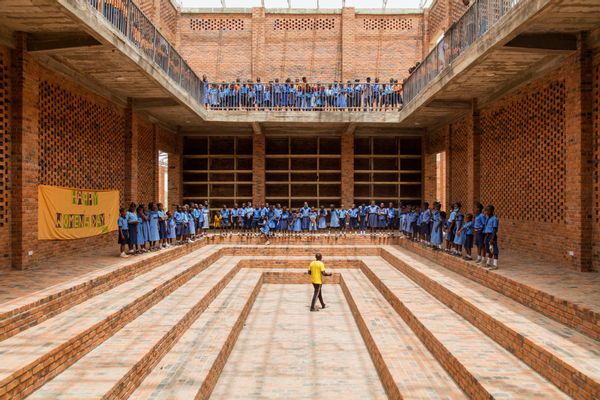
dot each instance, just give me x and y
(144, 228)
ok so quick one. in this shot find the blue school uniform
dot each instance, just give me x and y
(179, 221)
(305, 214)
(363, 213)
(313, 221)
(283, 221)
(449, 232)
(412, 221)
(153, 234)
(297, 223)
(206, 217)
(381, 217)
(491, 223)
(391, 216)
(459, 222)
(224, 217)
(335, 220)
(436, 236)
(426, 220)
(372, 216)
(171, 224)
(322, 219)
(191, 224)
(124, 226)
(162, 225)
(141, 234)
(271, 219)
(478, 229)
(132, 227)
(353, 212)
(264, 227)
(342, 217)
(341, 97)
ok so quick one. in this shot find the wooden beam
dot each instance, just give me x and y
(60, 42)
(551, 42)
(157, 102)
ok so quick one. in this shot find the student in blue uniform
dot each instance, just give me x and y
(363, 214)
(468, 234)
(425, 223)
(283, 222)
(392, 219)
(334, 220)
(305, 215)
(225, 218)
(341, 97)
(450, 228)
(162, 225)
(312, 227)
(132, 222)
(353, 213)
(141, 234)
(297, 226)
(412, 222)
(264, 228)
(372, 212)
(490, 231)
(322, 217)
(478, 226)
(123, 232)
(191, 224)
(342, 217)
(255, 217)
(436, 227)
(459, 220)
(171, 234)
(153, 221)
(277, 213)
(382, 214)
(179, 221)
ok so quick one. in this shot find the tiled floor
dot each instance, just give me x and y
(287, 352)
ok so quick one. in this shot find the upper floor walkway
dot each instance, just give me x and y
(111, 47)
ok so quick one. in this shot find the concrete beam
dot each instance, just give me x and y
(449, 104)
(551, 42)
(144, 104)
(257, 128)
(63, 41)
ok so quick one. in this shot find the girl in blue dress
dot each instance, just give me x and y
(305, 215)
(382, 216)
(153, 234)
(141, 231)
(171, 235)
(191, 224)
(264, 228)
(436, 228)
(297, 225)
(283, 222)
(322, 218)
(313, 221)
(335, 219)
(372, 211)
(459, 238)
(271, 218)
(341, 97)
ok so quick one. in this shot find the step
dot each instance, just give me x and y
(38, 354)
(126, 357)
(27, 311)
(480, 366)
(414, 371)
(564, 356)
(193, 365)
(577, 316)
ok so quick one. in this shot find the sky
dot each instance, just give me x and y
(301, 3)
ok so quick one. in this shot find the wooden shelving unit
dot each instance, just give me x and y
(387, 169)
(300, 169)
(217, 169)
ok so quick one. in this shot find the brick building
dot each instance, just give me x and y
(513, 120)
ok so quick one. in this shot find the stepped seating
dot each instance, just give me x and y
(169, 330)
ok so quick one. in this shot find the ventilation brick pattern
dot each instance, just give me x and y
(596, 157)
(146, 161)
(304, 24)
(388, 24)
(81, 141)
(4, 139)
(523, 165)
(459, 190)
(217, 24)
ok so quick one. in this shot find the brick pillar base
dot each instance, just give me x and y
(258, 166)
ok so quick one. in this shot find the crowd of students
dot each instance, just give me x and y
(150, 227)
(299, 95)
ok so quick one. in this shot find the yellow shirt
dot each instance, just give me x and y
(316, 271)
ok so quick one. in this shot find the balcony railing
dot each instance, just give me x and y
(365, 97)
(131, 22)
(476, 21)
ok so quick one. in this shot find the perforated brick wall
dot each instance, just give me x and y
(459, 184)
(435, 142)
(322, 47)
(4, 157)
(147, 190)
(596, 158)
(147, 7)
(168, 18)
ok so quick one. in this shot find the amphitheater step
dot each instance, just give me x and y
(480, 366)
(193, 365)
(415, 373)
(38, 354)
(125, 358)
(566, 357)
(287, 352)
(27, 311)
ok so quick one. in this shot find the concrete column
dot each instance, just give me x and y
(347, 166)
(131, 155)
(579, 158)
(258, 165)
(176, 172)
(24, 156)
(258, 43)
(348, 56)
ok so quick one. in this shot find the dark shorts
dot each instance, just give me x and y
(479, 239)
(179, 229)
(468, 242)
(162, 229)
(125, 238)
(488, 239)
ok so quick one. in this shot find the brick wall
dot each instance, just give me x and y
(435, 142)
(147, 156)
(4, 157)
(322, 47)
(460, 133)
(168, 19)
(596, 158)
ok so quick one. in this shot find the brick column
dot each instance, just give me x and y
(579, 158)
(258, 43)
(425, 33)
(176, 172)
(258, 165)
(347, 166)
(24, 156)
(348, 22)
(473, 158)
(130, 192)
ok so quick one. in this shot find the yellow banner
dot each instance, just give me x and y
(65, 214)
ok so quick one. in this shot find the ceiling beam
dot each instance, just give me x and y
(449, 104)
(551, 42)
(159, 102)
(60, 42)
